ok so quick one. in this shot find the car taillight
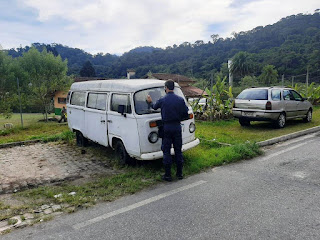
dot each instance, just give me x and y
(191, 116)
(268, 106)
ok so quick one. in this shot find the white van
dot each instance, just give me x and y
(115, 113)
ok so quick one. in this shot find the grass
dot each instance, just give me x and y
(231, 132)
(33, 129)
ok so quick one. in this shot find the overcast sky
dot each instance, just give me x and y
(117, 26)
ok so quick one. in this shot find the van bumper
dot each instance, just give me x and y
(157, 155)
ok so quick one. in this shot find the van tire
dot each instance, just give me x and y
(121, 153)
(244, 122)
(81, 140)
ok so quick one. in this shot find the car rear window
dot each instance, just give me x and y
(254, 94)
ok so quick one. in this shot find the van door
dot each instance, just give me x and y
(122, 124)
(96, 118)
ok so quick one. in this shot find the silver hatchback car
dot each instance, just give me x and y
(276, 104)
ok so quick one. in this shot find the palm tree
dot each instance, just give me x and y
(269, 75)
(241, 64)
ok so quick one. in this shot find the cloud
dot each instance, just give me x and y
(116, 26)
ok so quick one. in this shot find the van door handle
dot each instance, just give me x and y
(109, 121)
(103, 121)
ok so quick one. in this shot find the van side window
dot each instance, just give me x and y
(97, 101)
(276, 95)
(120, 99)
(78, 98)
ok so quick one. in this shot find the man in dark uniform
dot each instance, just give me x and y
(173, 111)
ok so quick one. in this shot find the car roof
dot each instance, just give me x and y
(273, 87)
(118, 85)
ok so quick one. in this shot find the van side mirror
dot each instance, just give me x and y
(121, 109)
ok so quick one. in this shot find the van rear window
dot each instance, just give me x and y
(254, 94)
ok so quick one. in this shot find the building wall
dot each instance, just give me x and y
(60, 95)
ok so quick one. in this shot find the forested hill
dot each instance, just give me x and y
(290, 45)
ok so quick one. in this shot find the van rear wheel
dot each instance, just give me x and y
(81, 140)
(122, 155)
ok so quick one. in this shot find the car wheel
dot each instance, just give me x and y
(81, 140)
(281, 121)
(244, 122)
(308, 117)
(122, 155)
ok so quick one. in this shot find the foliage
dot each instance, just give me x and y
(269, 75)
(249, 81)
(241, 64)
(87, 70)
(312, 92)
(7, 86)
(45, 74)
(219, 102)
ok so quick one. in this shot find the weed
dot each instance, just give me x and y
(12, 221)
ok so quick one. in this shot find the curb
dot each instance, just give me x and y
(8, 145)
(288, 137)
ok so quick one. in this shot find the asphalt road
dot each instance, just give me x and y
(276, 196)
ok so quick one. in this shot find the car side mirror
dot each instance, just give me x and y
(304, 99)
(121, 109)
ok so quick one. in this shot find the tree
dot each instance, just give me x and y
(87, 70)
(241, 64)
(269, 75)
(45, 74)
(7, 84)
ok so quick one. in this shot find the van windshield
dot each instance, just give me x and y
(140, 103)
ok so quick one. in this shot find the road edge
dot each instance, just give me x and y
(288, 136)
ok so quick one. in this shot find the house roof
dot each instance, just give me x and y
(191, 91)
(184, 82)
(175, 77)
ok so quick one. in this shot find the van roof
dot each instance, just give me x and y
(119, 85)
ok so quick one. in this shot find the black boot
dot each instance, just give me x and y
(179, 171)
(167, 176)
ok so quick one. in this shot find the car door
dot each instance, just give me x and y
(290, 104)
(123, 125)
(301, 105)
(96, 118)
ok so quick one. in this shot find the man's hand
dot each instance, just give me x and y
(149, 99)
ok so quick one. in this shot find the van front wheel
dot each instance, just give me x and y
(121, 152)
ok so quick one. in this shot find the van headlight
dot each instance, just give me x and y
(192, 127)
(153, 137)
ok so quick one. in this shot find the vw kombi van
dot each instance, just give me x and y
(115, 113)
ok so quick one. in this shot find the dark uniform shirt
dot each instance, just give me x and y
(173, 108)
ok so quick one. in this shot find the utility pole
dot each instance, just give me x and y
(20, 102)
(211, 102)
(230, 73)
(292, 80)
(307, 79)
